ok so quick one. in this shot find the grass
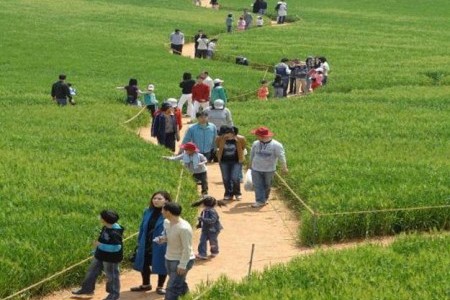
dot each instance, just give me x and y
(399, 271)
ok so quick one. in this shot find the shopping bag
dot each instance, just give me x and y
(248, 183)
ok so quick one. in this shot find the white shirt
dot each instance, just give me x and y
(179, 242)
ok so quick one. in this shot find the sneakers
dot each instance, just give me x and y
(212, 255)
(80, 292)
(238, 198)
(227, 198)
(258, 204)
(201, 257)
(160, 291)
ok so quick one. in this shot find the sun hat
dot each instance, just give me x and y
(319, 70)
(165, 106)
(173, 102)
(219, 104)
(150, 87)
(262, 132)
(190, 146)
(109, 216)
(218, 80)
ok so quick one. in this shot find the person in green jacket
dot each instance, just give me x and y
(218, 92)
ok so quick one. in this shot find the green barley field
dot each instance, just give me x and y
(377, 137)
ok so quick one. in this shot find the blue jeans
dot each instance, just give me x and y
(177, 285)
(231, 172)
(112, 278)
(213, 243)
(61, 102)
(262, 181)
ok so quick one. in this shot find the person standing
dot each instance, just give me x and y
(218, 92)
(283, 70)
(248, 18)
(281, 11)
(186, 93)
(230, 154)
(199, 35)
(262, 7)
(179, 255)
(200, 96)
(150, 100)
(326, 69)
(165, 127)
(177, 112)
(229, 22)
(107, 257)
(264, 156)
(61, 92)
(203, 134)
(219, 115)
(132, 90)
(149, 253)
(177, 42)
(208, 81)
(256, 6)
(202, 47)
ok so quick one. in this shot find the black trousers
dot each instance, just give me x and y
(147, 271)
(203, 178)
(176, 49)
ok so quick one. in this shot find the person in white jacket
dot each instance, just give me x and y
(281, 11)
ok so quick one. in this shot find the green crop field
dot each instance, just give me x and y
(413, 267)
(377, 137)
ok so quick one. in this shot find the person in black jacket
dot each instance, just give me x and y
(61, 92)
(108, 254)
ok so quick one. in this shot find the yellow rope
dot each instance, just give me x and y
(140, 112)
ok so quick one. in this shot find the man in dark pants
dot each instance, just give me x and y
(60, 91)
(177, 42)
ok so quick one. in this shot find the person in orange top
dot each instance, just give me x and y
(177, 112)
(263, 91)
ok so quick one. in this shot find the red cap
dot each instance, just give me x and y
(190, 146)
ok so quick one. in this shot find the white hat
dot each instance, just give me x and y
(173, 102)
(218, 104)
(150, 87)
(217, 80)
(319, 70)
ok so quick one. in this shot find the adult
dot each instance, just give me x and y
(218, 92)
(326, 69)
(132, 91)
(208, 80)
(310, 65)
(165, 127)
(281, 11)
(264, 156)
(301, 73)
(230, 154)
(214, 4)
(196, 37)
(60, 91)
(177, 112)
(149, 253)
(202, 47)
(248, 18)
(177, 42)
(256, 6)
(219, 115)
(283, 70)
(293, 66)
(262, 7)
(200, 96)
(186, 93)
(179, 255)
(203, 134)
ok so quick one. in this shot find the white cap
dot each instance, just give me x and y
(218, 104)
(173, 102)
(319, 70)
(150, 87)
(217, 80)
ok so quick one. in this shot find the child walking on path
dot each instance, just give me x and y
(195, 162)
(150, 100)
(210, 225)
(108, 255)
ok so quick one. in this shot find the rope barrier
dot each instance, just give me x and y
(134, 117)
(295, 194)
(381, 210)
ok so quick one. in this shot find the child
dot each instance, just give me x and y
(316, 78)
(210, 225)
(278, 86)
(229, 22)
(108, 255)
(259, 21)
(211, 48)
(150, 100)
(72, 92)
(263, 91)
(241, 24)
(195, 162)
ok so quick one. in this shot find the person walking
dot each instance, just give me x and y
(202, 47)
(132, 91)
(196, 38)
(61, 92)
(264, 155)
(165, 127)
(150, 100)
(282, 69)
(177, 42)
(209, 223)
(200, 95)
(150, 255)
(229, 22)
(186, 93)
(219, 115)
(218, 92)
(203, 134)
(107, 256)
(248, 18)
(281, 11)
(176, 112)
(230, 154)
(179, 255)
(195, 162)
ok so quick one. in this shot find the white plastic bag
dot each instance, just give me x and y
(248, 183)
